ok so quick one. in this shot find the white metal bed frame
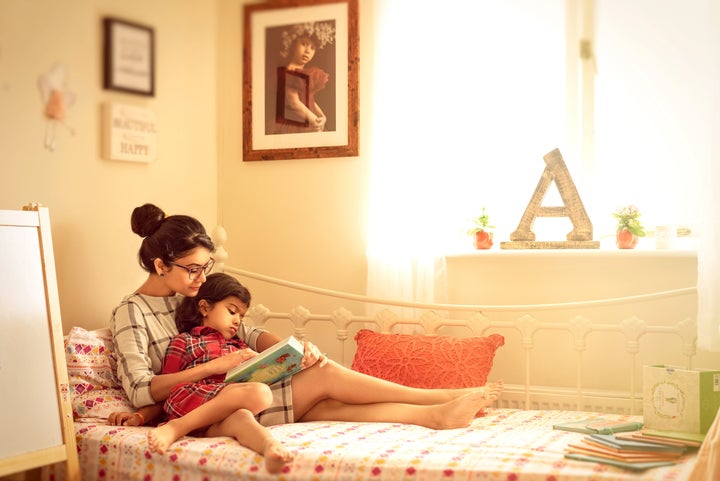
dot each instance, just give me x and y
(488, 317)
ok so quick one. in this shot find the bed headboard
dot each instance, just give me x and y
(586, 355)
(36, 416)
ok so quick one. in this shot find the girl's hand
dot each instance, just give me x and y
(126, 419)
(312, 355)
(223, 364)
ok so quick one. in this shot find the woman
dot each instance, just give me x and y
(177, 254)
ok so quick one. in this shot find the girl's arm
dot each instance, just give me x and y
(175, 370)
(266, 340)
(292, 97)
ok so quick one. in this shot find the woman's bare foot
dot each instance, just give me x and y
(276, 457)
(493, 390)
(459, 412)
(160, 438)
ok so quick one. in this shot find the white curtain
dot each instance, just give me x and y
(709, 250)
(467, 98)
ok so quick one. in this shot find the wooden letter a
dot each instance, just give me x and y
(582, 232)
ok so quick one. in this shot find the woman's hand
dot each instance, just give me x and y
(312, 355)
(223, 364)
(126, 419)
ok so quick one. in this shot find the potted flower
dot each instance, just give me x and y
(629, 228)
(482, 231)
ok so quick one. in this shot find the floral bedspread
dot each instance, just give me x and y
(505, 444)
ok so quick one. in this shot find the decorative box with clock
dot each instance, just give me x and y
(679, 399)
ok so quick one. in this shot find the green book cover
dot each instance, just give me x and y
(271, 365)
(598, 426)
(694, 437)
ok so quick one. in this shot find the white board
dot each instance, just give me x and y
(35, 412)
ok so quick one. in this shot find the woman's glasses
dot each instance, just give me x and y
(195, 271)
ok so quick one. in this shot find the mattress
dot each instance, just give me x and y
(504, 444)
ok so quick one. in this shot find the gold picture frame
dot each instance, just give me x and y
(325, 122)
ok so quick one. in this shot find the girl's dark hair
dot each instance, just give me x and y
(166, 237)
(216, 287)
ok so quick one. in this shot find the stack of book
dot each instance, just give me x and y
(625, 450)
(672, 438)
(627, 444)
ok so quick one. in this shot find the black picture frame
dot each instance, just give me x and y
(128, 57)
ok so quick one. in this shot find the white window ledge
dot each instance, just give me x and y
(683, 247)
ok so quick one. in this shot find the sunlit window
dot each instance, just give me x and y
(469, 95)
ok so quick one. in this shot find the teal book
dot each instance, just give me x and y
(273, 364)
(599, 426)
(641, 466)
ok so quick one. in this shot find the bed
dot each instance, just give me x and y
(513, 439)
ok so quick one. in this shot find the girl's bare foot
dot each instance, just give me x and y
(160, 438)
(276, 457)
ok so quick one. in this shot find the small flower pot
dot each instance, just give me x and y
(625, 239)
(483, 239)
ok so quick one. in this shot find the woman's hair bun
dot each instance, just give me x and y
(146, 219)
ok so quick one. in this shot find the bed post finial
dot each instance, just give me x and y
(219, 237)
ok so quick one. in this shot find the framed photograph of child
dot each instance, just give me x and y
(300, 80)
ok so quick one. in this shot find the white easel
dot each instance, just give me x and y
(35, 409)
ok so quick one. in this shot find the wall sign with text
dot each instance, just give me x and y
(130, 133)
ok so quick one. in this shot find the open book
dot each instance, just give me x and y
(271, 365)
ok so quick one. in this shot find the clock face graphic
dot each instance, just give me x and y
(668, 400)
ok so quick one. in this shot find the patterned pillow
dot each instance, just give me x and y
(426, 361)
(90, 358)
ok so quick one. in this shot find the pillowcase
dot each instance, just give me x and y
(91, 365)
(426, 361)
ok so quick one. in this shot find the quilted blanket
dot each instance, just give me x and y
(505, 444)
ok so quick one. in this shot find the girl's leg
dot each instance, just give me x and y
(243, 426)
(457, 413)
(334, 381)
(251, 396)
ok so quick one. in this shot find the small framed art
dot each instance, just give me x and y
(300, 79)
(129, 57)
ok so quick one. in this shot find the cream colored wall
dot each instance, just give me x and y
(303, 220)
(91, 198)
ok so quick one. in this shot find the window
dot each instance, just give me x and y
(469, 96)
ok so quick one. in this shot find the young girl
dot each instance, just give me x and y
(297, 110)
(207, 325)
